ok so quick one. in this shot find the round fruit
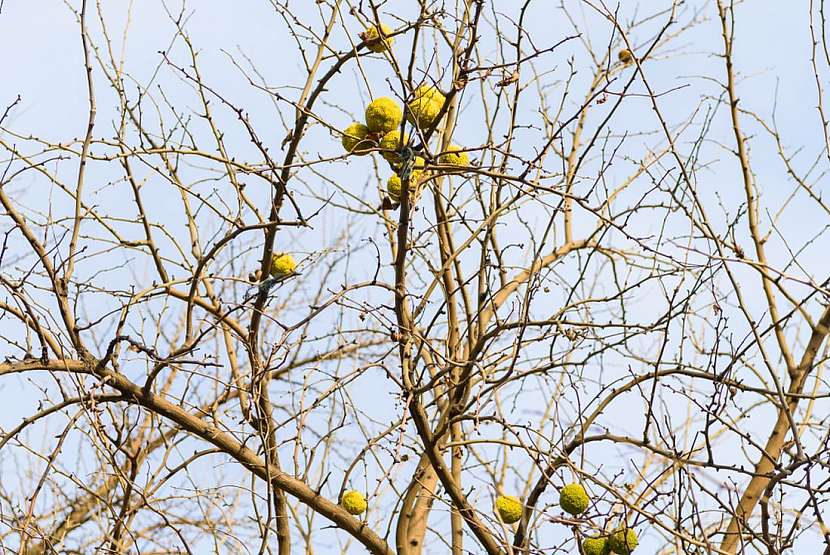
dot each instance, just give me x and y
(623, 541)
(596, 546)
(391, 143)
(374, 41)
(393, 187)
(394, 184)
(573, 499)
(509, 508)
(425, 107)
(282, 264)
(455, 157)
(430, 93)
(354, 502)
(423, 112)
(383, 115)
(354, 139)
(625, 55)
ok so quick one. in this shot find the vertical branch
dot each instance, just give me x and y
(79, 184)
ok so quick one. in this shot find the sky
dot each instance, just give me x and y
(43, 64)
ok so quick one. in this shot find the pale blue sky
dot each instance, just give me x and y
(42, 62)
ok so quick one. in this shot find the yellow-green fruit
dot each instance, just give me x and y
(455, 157)
(419, 165)
(425, 107)
(394, 185)
(416, 178)
(573, 499)
(374, 42)
(282, 264)
(430, 93)
(354, 139)
(354, 502)
(509, 508)
(623, 541)
(595, 546)
(391, 143)
(423, 112)
(383, 115)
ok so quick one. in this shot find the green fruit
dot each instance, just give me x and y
(383, 115)
(596, 546)
(391, 144)
(354, 139)
(430, 93)
(354, 502)
(623, 541)
(282, 264)
(509, 508)
(573, 499)
(423, 112)
(394, 185)
(454, 157)
(425, 106)
(373, 39)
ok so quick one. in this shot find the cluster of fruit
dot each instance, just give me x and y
(381, 129)
(574, 500)
(382, 132)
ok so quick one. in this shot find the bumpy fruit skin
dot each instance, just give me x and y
(509, 508)
(383, 115)
(573, 499)
(454, 157)
(392, 143)
(430, 93)
(423, 112)
(354, 502)
(596, 546)
(424, 108)
(623, 541)
(373, 40)
(282, 264)
(625, 55)
(394, 185)
(354, 139)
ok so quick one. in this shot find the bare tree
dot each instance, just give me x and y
(451, 276)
